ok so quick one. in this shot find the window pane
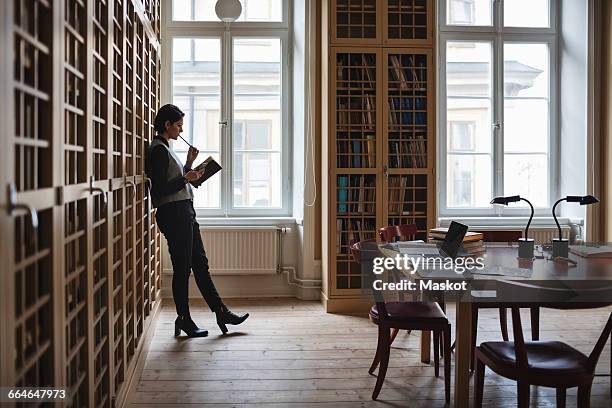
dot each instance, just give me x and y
(196, 87)
(204, 10)
(181, 10)
(526, 13)
(469, 12)
(469, 181)
(526, 70)
(526, 121)
(469, 119)
(257, 124)
(468, 68)
(527, 175)
(526, 126)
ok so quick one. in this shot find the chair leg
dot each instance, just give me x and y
(535, 323)
(479, 383)
(584, 396)
(443, 307)
(474, 334)
(394, 334)
(610, 367)
(523, 394)
(503, 323)
(561, 397)
(384, 359)
(436, 341)
(447, 363)
(379, 347)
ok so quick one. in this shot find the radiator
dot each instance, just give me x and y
(545, 235)
(242, 250)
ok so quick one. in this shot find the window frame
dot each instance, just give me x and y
(497, 36)
(204, 29)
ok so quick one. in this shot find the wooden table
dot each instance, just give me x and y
(501, 260)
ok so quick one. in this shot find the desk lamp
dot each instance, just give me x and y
(560, 245)
(525, 244)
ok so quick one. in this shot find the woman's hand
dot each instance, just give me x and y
(193, 175)
(191, 155)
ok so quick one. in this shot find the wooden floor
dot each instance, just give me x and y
(290, 353)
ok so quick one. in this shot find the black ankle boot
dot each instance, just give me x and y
(187, 325)
(224, 316)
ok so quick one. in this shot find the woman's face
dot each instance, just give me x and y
(174, 129)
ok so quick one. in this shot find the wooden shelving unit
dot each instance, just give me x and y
(379, 118)
(79, 291)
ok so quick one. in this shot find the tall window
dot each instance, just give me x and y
(233, 87)
(497, 100)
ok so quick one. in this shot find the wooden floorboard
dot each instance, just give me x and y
(290, 353)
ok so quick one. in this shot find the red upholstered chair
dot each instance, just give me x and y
(389, 234)
(407, 232)
(404, 232)
(544, 363)
(392, 233)
(426, 316)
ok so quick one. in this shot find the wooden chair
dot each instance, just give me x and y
(426, 316)
(393, 233)
(407, 232)
(389, 234)
(502, 236)
(544, 363)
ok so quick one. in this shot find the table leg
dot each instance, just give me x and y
(463, 341)
(425, 346)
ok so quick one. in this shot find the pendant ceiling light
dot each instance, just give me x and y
(228, 11)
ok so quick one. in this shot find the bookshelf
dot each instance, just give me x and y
(81, 289)
(379, 88)
(374, 22)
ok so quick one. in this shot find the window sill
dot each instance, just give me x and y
(245, 221)
(502, 222)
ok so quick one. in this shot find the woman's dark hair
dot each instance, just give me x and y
(166, 113)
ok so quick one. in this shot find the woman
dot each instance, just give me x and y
(172, 195)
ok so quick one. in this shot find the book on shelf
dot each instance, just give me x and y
(371, 150)
(366, 68)
(360, 206)
(343, 183)
(356, 153)
(397, 73)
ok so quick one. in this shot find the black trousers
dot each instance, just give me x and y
(177, 222)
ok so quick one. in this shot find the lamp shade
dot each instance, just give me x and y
(583, 200)
(228, 11)
(505, 200)
(588, 199)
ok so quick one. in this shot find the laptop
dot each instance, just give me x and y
(450, 246)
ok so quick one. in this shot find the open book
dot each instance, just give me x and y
(211, 168)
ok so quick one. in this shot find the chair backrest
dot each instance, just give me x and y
(364, 253)
(407, 231)
(403, 232)
(389, 234)
(555, 298)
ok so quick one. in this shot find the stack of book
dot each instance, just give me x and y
(472, 242)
